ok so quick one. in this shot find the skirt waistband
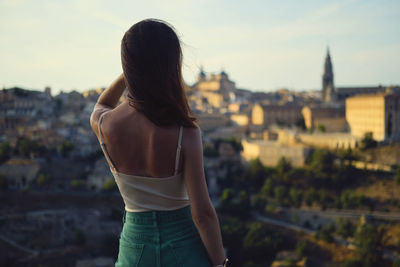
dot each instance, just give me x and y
(161, 216)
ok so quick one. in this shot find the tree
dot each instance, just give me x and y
(3, 182)
(258, 241)
(295, 197)
(325, 233)
(311, 196)
(321, 128)
(65, 148)
(43, 179)
(27, 147)
(209, 150)
(300, 123)
(109, 185)
(268, 187)
(233, 231)
(226, 200)
(301, 248)
(243, 204)
(368, 240)
(322, 163)
(345, 228)
(368, 141)
(280, 193)
(283, 167)
(350, 199)
(397, 175)
(5, 151)
(255, 174)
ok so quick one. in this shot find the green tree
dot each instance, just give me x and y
(268, 187)
(65, 148)
(368, 241)
(295, 197)
(301, 248)
(27, 147)
(283, 167)
(345, 228)
(322, 163)
(258, 241)
(209, 150)
(226, 200)
(321, 128)
(368, 141)
(109, 185)
(326, 233)
(5, 151)
(301, 123)
(259, 201)
(350, 199)
(243, 205)
(311, 196)
(3, 182)
(233, 231)
(397, 175)
(43, 179)
(280, 193)
(255, 174)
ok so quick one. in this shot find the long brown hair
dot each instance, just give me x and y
(151, 58)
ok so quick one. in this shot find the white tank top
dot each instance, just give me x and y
(142, 193)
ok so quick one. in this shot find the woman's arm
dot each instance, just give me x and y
(107, 101)
(203, 212)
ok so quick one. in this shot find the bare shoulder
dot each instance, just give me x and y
(191, 136)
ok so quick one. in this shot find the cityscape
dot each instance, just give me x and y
(298, 178)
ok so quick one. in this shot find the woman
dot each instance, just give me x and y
(154, 150)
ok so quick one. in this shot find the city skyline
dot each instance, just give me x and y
(262, 46)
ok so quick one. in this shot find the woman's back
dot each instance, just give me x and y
(140, 139)
(137, 146)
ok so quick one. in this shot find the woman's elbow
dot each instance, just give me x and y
(204, 216)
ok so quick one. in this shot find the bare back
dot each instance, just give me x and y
(137, 146)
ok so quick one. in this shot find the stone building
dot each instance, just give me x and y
(265, 115)
(18, 106)
(270, 152)
(20, 172)
(376, 113)
(332, 118)
(217, 89)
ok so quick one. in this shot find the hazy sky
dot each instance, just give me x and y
(262, 45)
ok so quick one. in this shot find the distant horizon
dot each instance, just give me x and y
(263, 45)
(254, 91)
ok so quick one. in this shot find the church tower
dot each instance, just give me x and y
(328, 87)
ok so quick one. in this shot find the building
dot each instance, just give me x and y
(332, 94)
(265, 115)
(217, 89)
(331, 118)
(20, 172)
(328, 87)
(270, 152)
(376, 113)
(18, 106)
(329, 140)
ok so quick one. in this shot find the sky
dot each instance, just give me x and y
(262, 45)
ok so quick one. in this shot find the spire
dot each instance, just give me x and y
(202, 74)
(328, 88)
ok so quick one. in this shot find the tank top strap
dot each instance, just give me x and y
(103, 146)
(178, 150)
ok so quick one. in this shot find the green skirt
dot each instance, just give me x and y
(161, 239)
